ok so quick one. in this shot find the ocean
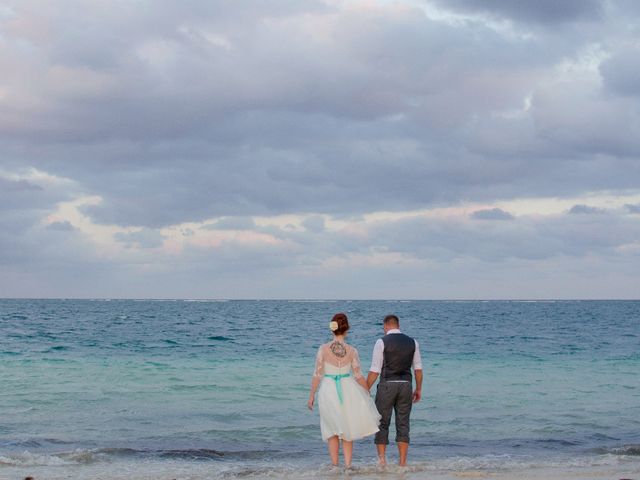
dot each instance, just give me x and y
(115, 389)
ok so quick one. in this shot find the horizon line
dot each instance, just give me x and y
(301, 299)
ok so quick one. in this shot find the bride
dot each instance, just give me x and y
(347, 411)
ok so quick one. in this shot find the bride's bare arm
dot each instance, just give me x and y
(318, 373)
(363, 383)
(357, 371)
(315, 382)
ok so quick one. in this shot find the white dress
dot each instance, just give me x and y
(346, 408)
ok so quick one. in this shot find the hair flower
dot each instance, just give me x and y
(333, 326)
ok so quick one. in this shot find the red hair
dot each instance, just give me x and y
(343, 323)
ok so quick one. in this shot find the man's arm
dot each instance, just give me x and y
(376, 363)
(417, 370)
(417, 393)
(371, 379)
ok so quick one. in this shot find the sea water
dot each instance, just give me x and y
(218, 389)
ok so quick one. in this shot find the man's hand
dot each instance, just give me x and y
(417, 395)
(310, 403)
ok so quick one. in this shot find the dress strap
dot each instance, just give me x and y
(336, 378)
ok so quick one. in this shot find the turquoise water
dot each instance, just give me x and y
(219, 388)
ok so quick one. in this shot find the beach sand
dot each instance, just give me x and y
(164, 471)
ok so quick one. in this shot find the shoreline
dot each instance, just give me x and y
(602, 467)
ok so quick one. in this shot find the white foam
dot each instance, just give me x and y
(33, 459)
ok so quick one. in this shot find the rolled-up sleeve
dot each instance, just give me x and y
(417, 360)
(378, 354)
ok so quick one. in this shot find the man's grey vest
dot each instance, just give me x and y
(398, 357)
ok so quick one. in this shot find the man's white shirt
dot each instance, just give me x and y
(378, 355)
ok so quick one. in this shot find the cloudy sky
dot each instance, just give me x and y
(320, 149)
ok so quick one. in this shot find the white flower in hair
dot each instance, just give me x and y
(333, 326)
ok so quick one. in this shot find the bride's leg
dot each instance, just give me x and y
(347, 451)
(334, 445)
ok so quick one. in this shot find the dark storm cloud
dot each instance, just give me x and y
(526, 238)
(25, 240)
(196, 110)
(492, 214)
(314, 223)
(232, 223)
(146, 238)
(633, 208)
(585, 210)
(538, 11)
(21, 194)
(621, 72)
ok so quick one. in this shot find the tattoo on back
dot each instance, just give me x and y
(338, 349)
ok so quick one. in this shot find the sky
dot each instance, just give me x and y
(409, 149)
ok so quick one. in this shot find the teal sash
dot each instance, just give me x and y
(337, 378)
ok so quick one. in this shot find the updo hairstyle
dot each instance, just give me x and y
(343, 323)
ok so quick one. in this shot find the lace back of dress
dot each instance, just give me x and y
(339, 355)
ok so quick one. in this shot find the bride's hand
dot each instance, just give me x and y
(310, 403)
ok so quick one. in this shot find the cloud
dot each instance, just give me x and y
(64, 226)
(620, 72)
(26, 198)
(531, 238)
(359, 98)
(232, 223)
(145, 238)
(541, 11)
(272, 137)
(633, 208)
(491, 214)
(20, 193)
(314, 223)
(585, 210)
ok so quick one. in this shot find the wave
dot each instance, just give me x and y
(57, 348)
(28, 459)
(315, 301)
(82, 456)
(554, 442)
(200, 454)
(627, 450)
(31, 442)
(279, 460)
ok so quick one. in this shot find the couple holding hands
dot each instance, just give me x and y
(347, 412)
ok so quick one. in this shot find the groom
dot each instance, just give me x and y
(393, 357)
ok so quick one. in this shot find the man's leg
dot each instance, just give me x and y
(402, 409)
(382, 454)
(385, 399)
(403, 449)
